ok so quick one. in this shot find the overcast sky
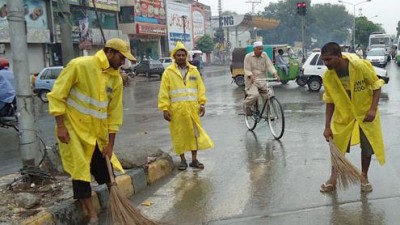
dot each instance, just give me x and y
(387, 12)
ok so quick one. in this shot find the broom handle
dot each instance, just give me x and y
(110, 173)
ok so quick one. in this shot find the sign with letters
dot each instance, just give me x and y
(227, 21)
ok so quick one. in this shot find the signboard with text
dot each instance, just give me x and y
(105, 4)
(151, 29)
(179, 25)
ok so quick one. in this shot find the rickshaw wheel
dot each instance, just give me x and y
(301, 81)
(239, 80)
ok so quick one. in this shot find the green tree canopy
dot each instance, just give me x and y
(364, 28)
(205, 44)
(323, 23)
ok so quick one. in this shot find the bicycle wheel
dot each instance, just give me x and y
(275, 117)
(251, 121)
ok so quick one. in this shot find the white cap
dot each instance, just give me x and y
(257, 44)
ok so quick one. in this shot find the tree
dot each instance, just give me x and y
(364, 28)
(205, 44)
(398, 29)
(324, 23)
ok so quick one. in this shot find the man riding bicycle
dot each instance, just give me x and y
(256, 64)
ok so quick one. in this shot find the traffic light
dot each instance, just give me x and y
(304, 8)
(301, 8)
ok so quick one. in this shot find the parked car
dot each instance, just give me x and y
(166, 61)
(378, 57)
(313, 69)
(45, 80)
(149, 67)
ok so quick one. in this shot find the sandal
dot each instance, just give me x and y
(197, 164)
(326, 188)
(366, 187)
(183, 165)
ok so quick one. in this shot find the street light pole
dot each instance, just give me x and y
(184, 28)
(354, 18)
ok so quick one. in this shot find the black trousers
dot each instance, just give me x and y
(98, 168)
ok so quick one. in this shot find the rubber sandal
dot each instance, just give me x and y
(197, 164)
(326, 188)
(183, 165)
(366, 187)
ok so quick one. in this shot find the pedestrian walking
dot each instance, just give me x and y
(256, 65)
(182, 98)
(352, 91)
(86, 101)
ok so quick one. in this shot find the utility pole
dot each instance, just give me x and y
(253, 4)
(66, 32)
(184, 28)
(28, 141)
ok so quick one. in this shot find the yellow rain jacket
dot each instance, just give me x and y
(182, 100)
(349, 113)
(88, 93)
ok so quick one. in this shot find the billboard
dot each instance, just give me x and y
(179, 24)
(35, 15)
(150, 11)
(198, 23)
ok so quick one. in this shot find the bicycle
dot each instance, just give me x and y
(274, 114)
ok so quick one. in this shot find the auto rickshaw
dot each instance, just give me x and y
(237, 66)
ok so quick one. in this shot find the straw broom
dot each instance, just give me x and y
(347, 173)
(122, 210)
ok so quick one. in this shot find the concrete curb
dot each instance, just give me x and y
(130, 183)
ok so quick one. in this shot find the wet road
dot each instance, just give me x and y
(250, 178)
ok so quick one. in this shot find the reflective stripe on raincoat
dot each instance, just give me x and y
(182, 100)
(88, 93)
(349, 113)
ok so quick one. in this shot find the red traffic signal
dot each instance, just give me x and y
(301, 8)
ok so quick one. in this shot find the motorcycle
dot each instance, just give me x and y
(9, 116)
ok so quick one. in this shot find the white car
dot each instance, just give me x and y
(313, 69)
(378, 57)
(166, 61)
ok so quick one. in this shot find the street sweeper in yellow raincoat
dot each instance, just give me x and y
(86, 101)
(182, 98)
(352, 91)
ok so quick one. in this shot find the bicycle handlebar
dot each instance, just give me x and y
(267, 79)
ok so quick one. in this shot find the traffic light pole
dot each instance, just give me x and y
(303, 31)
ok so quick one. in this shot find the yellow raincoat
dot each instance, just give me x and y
(88, 93)
(182, 100)
(349, 113)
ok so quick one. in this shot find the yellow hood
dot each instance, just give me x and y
(179, 46)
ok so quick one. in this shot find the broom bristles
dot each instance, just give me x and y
(347, 173)
(123, 212)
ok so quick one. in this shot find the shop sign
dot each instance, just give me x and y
(150, 29)
(105, 4)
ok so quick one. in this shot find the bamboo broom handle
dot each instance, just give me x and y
(110, 172)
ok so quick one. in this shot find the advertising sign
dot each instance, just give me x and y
(151, 29)
(179, 24)
(198, 23)
(150, 11)
(34, 11)
(36, 21)
(85, 40)
(228, 20)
